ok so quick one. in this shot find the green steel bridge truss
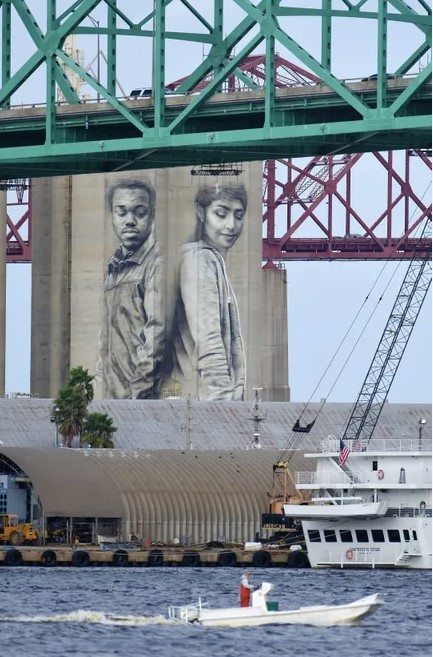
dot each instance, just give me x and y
(204, 121)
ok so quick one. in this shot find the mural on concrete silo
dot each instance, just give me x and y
(170, 320)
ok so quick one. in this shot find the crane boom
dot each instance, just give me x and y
(383, 368)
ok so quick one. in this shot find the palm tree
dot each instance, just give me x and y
(81, 381)
(97, 431)
(68, 413)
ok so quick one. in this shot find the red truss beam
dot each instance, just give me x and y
(310, 212)
(287, 74)
(19, 222)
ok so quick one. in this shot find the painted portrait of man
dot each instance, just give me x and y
(132, 340)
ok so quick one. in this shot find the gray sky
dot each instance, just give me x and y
(323, 297)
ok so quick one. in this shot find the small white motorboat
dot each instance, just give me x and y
(264, 612)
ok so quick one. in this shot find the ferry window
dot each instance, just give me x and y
(414, 536)
(314, 535)
(330, 536)
(378, 536)
(394, 536)
(374, 466)
(406, 535)
(361, 535)
(345, 536)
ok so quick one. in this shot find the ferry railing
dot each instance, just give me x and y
(309, 478)
(331, 445)
(406, 511)
(359, 478)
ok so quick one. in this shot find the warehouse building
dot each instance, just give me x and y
(180, 472)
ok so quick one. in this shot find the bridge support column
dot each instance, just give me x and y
(50, 353)
(275, 358)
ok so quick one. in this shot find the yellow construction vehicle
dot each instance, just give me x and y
(283, 492)
(14, 532)
(284, 489)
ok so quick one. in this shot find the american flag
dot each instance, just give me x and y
(344, 453)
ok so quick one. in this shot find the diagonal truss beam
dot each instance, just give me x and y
(36, 34)
(375, 116)
(310, 210)
(48, 44)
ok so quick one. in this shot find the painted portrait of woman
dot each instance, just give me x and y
(207, 337)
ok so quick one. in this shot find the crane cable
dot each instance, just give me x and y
(294, 441)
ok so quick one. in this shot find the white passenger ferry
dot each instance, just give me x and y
(372, 512)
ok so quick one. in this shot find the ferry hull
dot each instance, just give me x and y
(413, 554)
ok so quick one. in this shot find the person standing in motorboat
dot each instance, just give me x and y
(245, 589)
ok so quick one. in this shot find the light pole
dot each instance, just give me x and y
(98, 64)
(56, 426)
(421, 423)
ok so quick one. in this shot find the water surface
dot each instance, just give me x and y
(72, 611)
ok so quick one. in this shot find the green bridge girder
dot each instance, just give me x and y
(204, 123)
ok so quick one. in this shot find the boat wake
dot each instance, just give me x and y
(87, 616)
